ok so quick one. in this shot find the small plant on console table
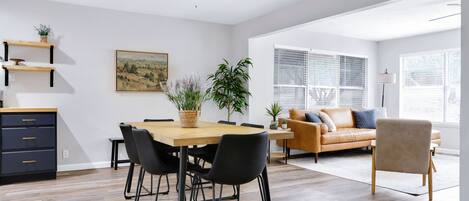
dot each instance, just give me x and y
(274, 110)
(187, 95)
(43, 31)
(229, 87)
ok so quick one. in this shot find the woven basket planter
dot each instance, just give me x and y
(188, 118)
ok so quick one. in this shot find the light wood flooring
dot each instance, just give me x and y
(287, 182)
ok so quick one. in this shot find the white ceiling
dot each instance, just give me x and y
(399, 19)
(218, 11)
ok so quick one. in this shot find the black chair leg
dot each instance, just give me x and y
(116, 156)
(213, 191)
(261, 187)
(221, 191)
(139, 184)
(238, 190)
(128, 183)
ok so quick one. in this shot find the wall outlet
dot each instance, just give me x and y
(65, 153)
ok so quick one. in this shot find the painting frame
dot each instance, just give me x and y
(118, 87)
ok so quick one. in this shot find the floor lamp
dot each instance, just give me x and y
(385, 78)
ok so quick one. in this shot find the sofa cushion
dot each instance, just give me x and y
(365, 119)
(328, 121)
(297, 114)
(344, 135)
(324, 129)
(342, 117)
(312, 117)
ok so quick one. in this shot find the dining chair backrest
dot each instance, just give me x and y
(157, 120)
(239, 158)
(150, 155)
(252, 125)
(129, 142)
(226, 122)
(403, 145)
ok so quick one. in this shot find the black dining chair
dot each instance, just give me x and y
(207, 152)
(235, 166)
(131, 149)
(153, 159)
(166, 148)
(261, 127)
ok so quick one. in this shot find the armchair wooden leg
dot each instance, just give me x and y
(373, 172)
(316, 156)
(430, 180)
(433, 166)
(424, 179)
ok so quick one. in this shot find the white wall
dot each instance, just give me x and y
(86, 38)
(261, 50)
(464, 121)
(389, 53)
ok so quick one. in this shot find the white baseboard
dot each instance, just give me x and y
(86, 166)
(447, 151)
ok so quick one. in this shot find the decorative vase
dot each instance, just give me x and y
(284, 126)
(44, 39)
(188, 118)
(273, 125)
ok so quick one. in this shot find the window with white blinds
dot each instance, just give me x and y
(307, 80)
(431, 86)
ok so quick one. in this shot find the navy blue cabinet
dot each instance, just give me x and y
(28, 145)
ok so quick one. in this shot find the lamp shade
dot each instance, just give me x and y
(386, 78)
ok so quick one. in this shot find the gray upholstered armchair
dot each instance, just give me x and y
(403, 146)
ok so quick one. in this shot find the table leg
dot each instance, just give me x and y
(285, 142)
(266, 184)
(182, 173)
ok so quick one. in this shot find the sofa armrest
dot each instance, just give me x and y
(307, 136)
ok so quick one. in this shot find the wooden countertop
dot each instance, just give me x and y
(24, 109)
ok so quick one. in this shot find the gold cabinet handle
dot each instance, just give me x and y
(29, 161)
(28, 138)
(28, 120)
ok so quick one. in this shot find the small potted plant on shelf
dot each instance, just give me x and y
(274, 110)
(187, 95)
(283, 123)
(43, 31)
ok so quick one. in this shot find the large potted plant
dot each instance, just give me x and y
(187, 95)
(229, 87)
(43, 31)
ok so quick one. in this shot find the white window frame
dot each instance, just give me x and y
(338, 88)
(444, 123)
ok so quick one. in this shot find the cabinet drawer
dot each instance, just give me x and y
(28, 138)
(28, 119)
(28, 161)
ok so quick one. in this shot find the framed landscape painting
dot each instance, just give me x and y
(140, 71)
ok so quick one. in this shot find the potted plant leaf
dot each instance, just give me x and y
(187, 95)
(274, 110)
(229, 87)
(43, 31)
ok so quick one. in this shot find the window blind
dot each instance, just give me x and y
(290, 77)
(307, 80)
(430, 86)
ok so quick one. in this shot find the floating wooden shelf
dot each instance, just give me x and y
(8, 43)
(28, 43)
(14, 68)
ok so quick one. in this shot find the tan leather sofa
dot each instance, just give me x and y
(310, 137)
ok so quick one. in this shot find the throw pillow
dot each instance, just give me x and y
(324, 129)
(312, 117)
(365, 119)
(328, 121)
